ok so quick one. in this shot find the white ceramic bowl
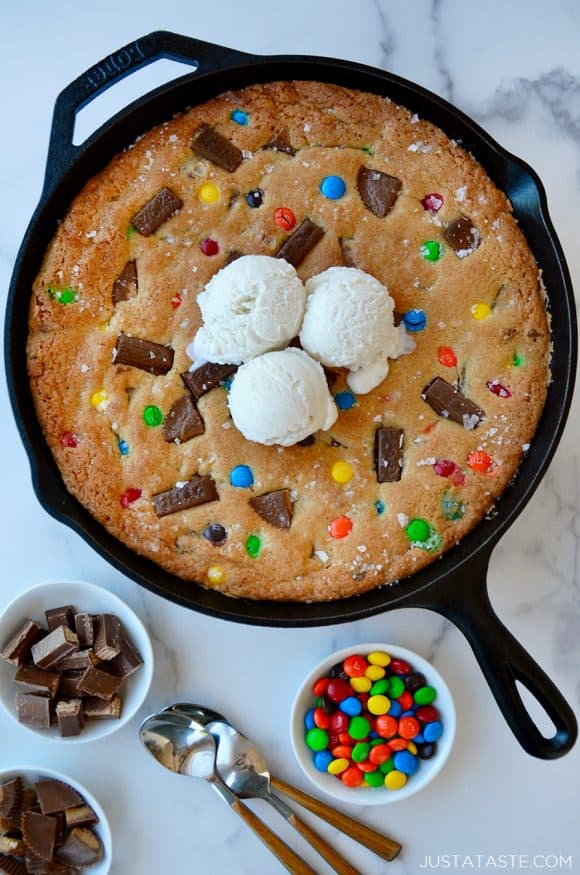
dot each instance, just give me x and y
(373, 795)
(93, 599)
(30, 774)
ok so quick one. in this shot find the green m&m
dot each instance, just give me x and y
(425, 695)
(374, 779)
(359, 728)
(317, 739)
(360, 752)
(152, 416)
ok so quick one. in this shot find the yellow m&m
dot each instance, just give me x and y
(342, 472)
(379, 657)
(100, 399)
(216, 574)
(209, 193)
(360, 685)
(337, 766)
(395, 780)
(480, 311)
(378, 705)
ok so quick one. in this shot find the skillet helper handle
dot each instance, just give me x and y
(504, 661)
(289, 858)
(203, 57)
(365, 835)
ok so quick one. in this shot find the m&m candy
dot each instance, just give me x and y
(333, 187)
(372, 720)
(415, 320)
(241, 476)
(284, 218)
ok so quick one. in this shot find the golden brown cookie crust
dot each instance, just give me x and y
(70, 345)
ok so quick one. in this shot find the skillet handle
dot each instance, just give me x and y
(504, 661)
(203, 57)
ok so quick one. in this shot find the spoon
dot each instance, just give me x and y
(186, 747)
(244, 770)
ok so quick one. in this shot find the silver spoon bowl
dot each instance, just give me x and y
(186, 747)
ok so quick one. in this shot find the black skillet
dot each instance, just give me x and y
(455, 585)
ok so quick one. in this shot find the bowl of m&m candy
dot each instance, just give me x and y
(372, 724)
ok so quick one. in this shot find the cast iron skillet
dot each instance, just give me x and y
(455, 585)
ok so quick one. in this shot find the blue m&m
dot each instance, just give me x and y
(333, 187)
(242, 476)
(345, 400)
(239, 116)
(415, 320)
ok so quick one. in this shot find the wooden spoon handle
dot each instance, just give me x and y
(370, 838)
(280, 849)
(338, 863)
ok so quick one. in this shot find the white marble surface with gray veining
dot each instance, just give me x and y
(515, 67)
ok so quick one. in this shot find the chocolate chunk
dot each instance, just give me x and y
(102, 709)
(60, 828)
(82, 847)
(462, 236)
(274, 507)
(183, 421)
(107, 637)
(54, 647)
(69, 713)
(39, 833)
(127, 662)
(95, 682)
(18, 648)
(60, 617)
(378, 190)
(307, 441)
(206, 378)
(232, 255)
(198, 490)
(33, 710)
(126, 285)
(156, 211)
(388, 454)
(80, 815)
(280, 142)
(30, 800)
(347, 254)
(54, 796)
(36, 865)
(296, 247)
(208, 143)
(397, 318)
(68, 687)
(11, 866)
(452, 404)
(77, 661)
(30, 679)
(11, 798)
(85, 629)
(144, 354)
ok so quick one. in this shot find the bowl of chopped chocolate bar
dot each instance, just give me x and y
(50, 823)
(75, 661)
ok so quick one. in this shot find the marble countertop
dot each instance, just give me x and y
(515, 67)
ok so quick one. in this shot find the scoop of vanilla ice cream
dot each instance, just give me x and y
(253, 305)
(281, 398)
(349, 324)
